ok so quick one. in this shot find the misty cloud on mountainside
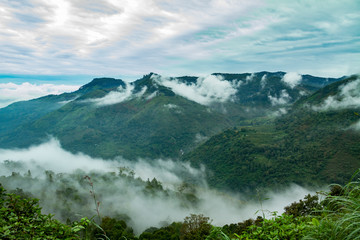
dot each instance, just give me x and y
(11, 92)
(151, 96)
(355, 126)
(120, 196)
(348, 97)
(171, 106)
(206, 90)
(263, 81)
(250, 78)
(279, 112)
(51, 156)
(199, 138)
(292, 79)
(284, 98)
(118, 96)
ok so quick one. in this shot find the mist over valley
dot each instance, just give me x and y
(144, 193)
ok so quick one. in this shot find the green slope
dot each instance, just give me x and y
(19, 113)
(158, 127)
(25, 112)
(306, 147)
(151, 122)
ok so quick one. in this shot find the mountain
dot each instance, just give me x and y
(153, 116)
(24, 112)
(329, 121)
(316, 142)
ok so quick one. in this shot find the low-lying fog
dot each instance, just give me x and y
(128, 195)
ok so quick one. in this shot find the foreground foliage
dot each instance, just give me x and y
(281, 227)
(341, 217)
(336, 217)
(21, 218)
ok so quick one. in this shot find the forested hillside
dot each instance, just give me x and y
(316, 142)
(153, 116)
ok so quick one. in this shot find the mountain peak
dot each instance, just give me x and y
(101, 83)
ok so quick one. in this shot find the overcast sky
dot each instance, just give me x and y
(176, 37)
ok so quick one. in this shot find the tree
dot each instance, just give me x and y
(21, 218)
(195, 227)
(303, 207)
(115, 229)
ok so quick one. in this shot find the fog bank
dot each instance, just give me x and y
(127, 188)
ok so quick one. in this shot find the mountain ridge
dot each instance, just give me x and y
(247, 98)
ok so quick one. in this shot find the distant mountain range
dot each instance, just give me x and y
(277, 126)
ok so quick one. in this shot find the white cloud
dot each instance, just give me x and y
(279, 112)
(11, 92)
(284, 98)
(174, 108)
(348, 97)
(263, 81)
(205, 91)
(356, 126)
(115, 97)
(51, 156)
(171, 106)
(250, 77)
(237, 83)
(151, 96)
(199, 138)
(292, 79)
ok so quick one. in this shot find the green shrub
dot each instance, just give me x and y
(195, 227)
(21, 218)
(280, 227)
(341, 217)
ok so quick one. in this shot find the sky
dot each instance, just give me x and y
(72, 41)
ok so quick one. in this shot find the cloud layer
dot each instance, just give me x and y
(109, 37)
(120, 196)
(11, 92)
(51, 156)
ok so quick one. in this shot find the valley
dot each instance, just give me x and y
(182, 145)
